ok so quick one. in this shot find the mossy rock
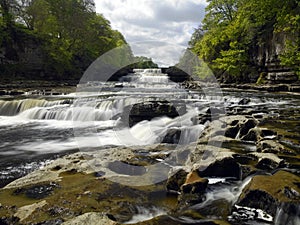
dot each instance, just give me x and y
(269, 192)
(262, 79)
(81, 193)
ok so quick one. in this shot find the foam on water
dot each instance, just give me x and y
(145, 214)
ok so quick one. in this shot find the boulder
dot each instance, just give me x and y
(267, 161)
(148, 110)
(267, 164)
(227, 167)
(238, 126)
(175, 74)
(269, 192)
(194, 184)
(172, 136)
(176, 181)
(258, 134)
(270, 146)
(91, 218)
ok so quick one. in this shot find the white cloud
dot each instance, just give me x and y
(159, 29)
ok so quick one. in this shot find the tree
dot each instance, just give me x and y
(289, 22)
(72, 34)
(144, 63)
(234, 30)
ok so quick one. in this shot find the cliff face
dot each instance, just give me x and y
(266, 56)
(22, 55)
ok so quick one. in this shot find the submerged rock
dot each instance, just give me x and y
(172, 136)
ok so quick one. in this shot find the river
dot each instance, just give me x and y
(35, 129)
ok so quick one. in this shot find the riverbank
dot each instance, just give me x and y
(43, 87)
(37, 87)
(295, 87)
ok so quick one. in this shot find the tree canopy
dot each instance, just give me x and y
(69, 33)
(233, 31)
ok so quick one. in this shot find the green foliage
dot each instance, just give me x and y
(72, 34)
(232, 61)
(144, 63)
(234, 29)
(262, 78)
(290, 23)
(291, 56)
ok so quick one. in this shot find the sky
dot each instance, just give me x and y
(159, 29)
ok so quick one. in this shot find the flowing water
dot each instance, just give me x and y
(36, 129)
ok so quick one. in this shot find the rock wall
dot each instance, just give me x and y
(22, 55)
(267, 55)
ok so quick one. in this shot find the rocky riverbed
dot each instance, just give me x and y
(135, 153)
(251, 161)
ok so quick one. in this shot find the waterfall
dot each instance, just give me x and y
(288, 214)
(154, 79)
(148, 71)
(12, 108)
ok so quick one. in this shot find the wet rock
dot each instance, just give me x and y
(267, 164)
(238, 126)
(122, 167)
(51, 222)
(151, 109)
(267, 133)
(259, 199)
(269, 192)
(291, 193)
(59, 211)
(27, 210)
(176, 181)
(244, 101)
(194, 184)
(267, 161)
(269, 146)
(218, 208)
(37, 191)
(9, 221)
(186, 200)
(232, 132)
(214, 113)
(125, 212)
(252, 135)
(91, 218)
(161, 220)
(99, 174)
(172, 136)
(226, 167)
(251, 123)
(259, 134)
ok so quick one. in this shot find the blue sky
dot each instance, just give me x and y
(159, 29)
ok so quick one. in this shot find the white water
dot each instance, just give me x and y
(94, 113)
(32, 127)
(146, 214)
